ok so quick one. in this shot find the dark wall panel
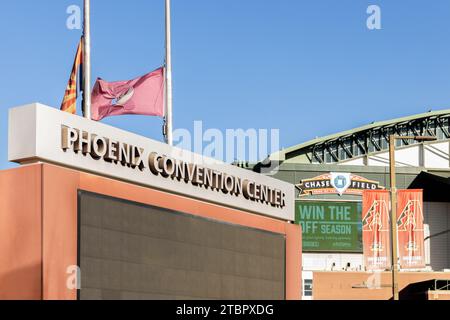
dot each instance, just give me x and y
(133, 251)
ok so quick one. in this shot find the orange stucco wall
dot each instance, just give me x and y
(339, 285)
(48, 217)
(20, 234)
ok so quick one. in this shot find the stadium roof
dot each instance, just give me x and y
(372, 126)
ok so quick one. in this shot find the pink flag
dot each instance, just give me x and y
(143, 95)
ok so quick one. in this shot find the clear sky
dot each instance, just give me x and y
(307, 67)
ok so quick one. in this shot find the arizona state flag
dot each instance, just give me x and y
(69, 103)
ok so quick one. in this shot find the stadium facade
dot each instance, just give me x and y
(361, 156)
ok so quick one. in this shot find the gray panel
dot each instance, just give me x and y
(287, 176)
(436, 215)
(132, 251)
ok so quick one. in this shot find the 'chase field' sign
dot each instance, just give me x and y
(41, 133)
(336, 183)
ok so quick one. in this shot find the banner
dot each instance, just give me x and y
(375, 230)
(410, 229)
(330, 226)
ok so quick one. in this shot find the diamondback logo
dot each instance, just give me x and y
(374, 217)
(409, 218)
(410, 221)
(336, 183)
(376, 221)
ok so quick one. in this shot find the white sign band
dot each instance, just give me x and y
(41, 133)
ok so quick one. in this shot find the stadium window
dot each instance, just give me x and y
(431, 126)
(440, 132)
(342, 153)
(358, 150)
(314, 159)
(384, 143)
(404, 130)
(348, 145)
(328, 157)
(376, 138)
(317, 155)
(446, 123)
(371, 147)
(334, 150)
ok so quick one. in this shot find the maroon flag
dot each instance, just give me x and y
(375, 230)
(410, 229)
(143, 95)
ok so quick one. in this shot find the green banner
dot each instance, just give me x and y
(330, 226)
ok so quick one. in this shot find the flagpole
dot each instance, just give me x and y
(87, 60)
(168, 78)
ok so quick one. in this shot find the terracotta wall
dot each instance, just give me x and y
(338, 285)
(43, 229)
(293, 262)
(20, 234)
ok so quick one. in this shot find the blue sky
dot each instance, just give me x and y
(307, 67)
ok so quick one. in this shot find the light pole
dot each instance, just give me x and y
(394, 255)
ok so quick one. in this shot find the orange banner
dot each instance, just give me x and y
(376, 230)
(410, 229)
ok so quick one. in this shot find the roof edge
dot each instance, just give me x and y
(360, 129)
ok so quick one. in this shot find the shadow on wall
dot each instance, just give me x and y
(435, 188)
(416, 291)
(437, 234)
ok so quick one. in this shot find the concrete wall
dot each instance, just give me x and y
(436, 215)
